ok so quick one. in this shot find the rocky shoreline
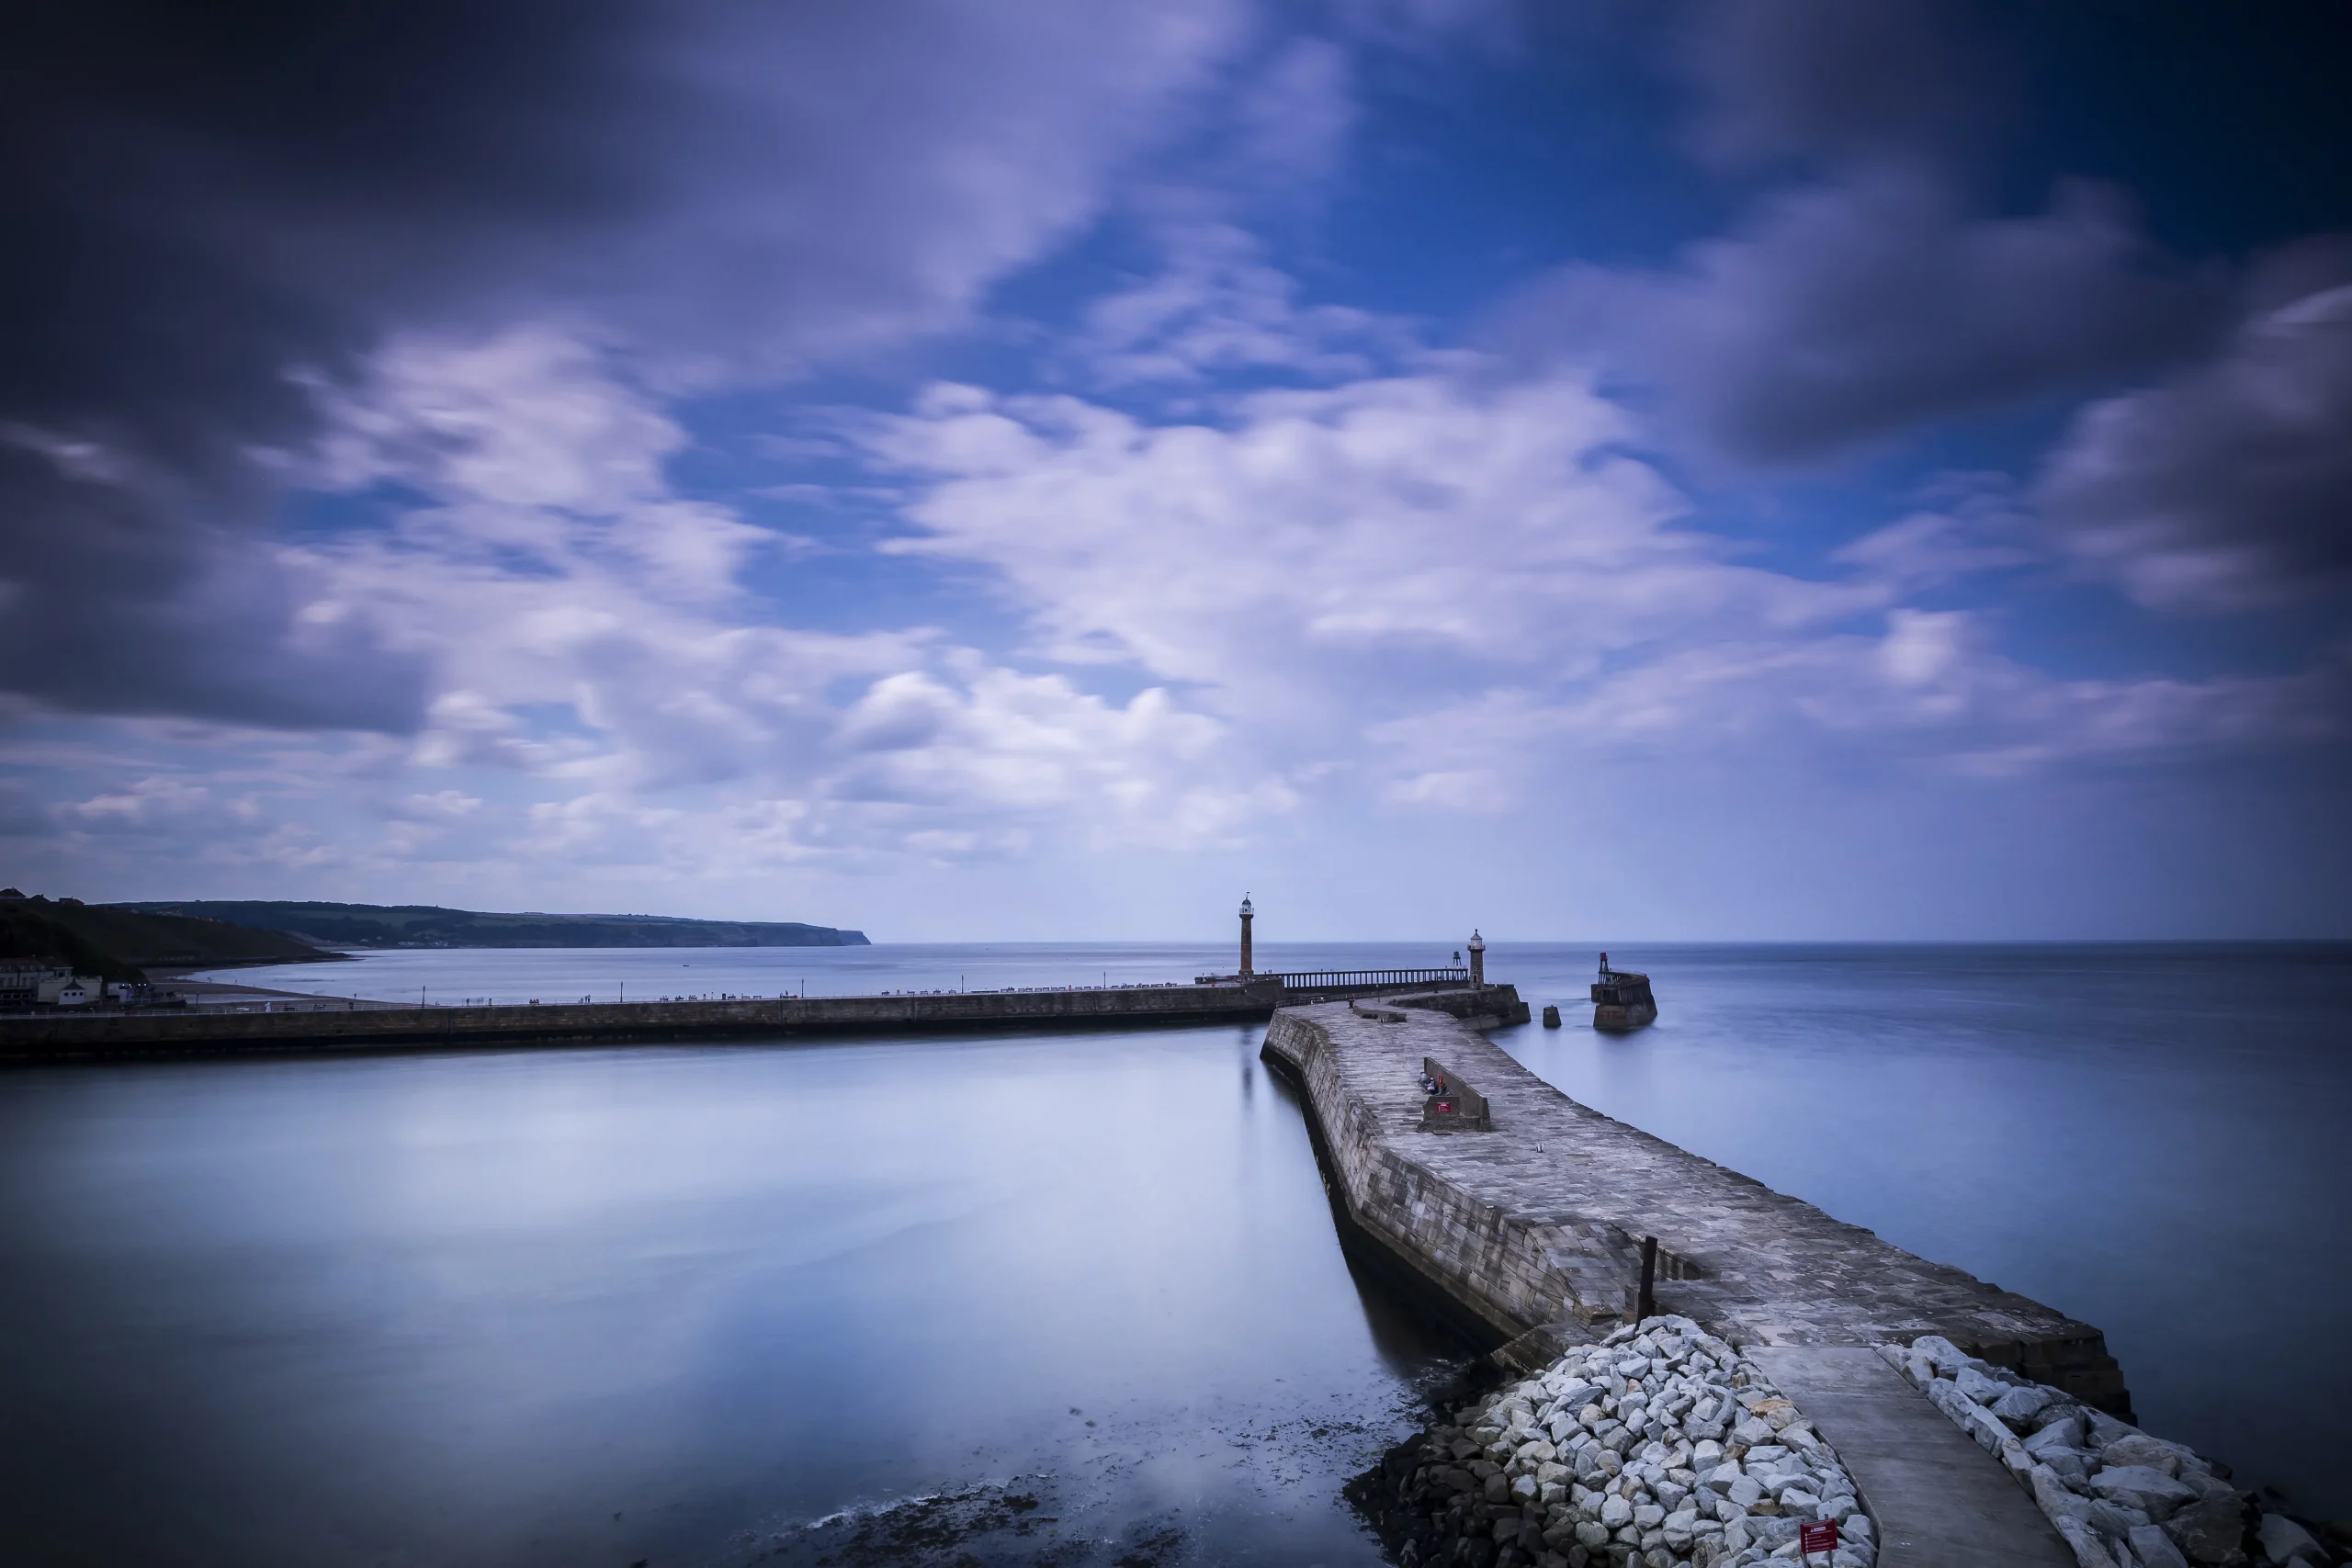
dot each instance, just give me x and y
(1661, 1445)
(2119, 1497)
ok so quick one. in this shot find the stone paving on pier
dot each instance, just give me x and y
(1535, 1225)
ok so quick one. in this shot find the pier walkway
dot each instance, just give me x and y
(329, 1024)
(1937, 1500)
(1534, 1228)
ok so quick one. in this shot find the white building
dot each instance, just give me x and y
(63, 989)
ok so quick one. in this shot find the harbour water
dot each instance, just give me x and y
(1077, 1291)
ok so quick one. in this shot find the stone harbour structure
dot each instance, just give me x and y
(1705, 1374)
(2117, 1495)
(1661, 1443)
(1702, 1372)
(314, 1024)
(1534, 1229)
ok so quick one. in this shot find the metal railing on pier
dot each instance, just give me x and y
(1338, 979)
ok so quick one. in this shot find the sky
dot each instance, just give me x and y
(1722, 470)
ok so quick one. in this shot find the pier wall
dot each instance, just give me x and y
(91, 1034)
(1534, 1228)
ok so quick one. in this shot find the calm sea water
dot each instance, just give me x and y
(678, 1304)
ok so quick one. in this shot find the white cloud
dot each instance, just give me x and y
(2226, 487)
(1443, 586)
(1295, 117)
(1405, 531)
(1217, 306)
(593, 643)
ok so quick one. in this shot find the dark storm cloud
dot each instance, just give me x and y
(206, 199)
(1877, 290)
(2230, 484)
(1843, 313)
(1838, 79)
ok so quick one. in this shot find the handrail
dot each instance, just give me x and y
(1324, 979)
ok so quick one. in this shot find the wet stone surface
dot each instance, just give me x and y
(1537, 1224)
(1660, 1446)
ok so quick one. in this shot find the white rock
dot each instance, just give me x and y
(2054, 1498)
(1576, 1394)
(1744, 1491)
(2284, 1540)
(2105, 1428)
(1969, 1415)
(2137, 1486)
(2154, 1549)
(2141, 1448)
(2089, 1551)
(1615, 1511)
(1978, 1387)
(2072, 1466)
(1945, 1355)
(2018, 1406)
(2064, 1433)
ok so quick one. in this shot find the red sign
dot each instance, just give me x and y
(1817, 1535)
(1445, 1105)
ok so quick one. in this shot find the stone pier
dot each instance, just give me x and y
(91, 1034)
(1534, 1228)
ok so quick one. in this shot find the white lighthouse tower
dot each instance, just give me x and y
(1478, 958)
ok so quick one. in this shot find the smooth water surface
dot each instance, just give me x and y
(2156, 1140)
(608, 974)
(470, 1307)
(672, 1304)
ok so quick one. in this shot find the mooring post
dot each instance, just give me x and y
(1648, 1303)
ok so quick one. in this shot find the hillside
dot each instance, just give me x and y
(119, 942)
(426, 925)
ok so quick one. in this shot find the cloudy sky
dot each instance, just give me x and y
(1746, 469)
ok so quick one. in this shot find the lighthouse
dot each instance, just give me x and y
(1246, 913)
(1477, 955)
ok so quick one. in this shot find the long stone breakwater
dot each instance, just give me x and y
(1535, 1227)
(1705, 1374)
(90, 1034)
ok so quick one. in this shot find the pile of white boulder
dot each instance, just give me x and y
(1660, 1446)
(2120, 1498)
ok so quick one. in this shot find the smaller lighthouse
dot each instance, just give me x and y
(1246, 914)
(1478, 958)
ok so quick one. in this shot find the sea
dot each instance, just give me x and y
(1072, 1297)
